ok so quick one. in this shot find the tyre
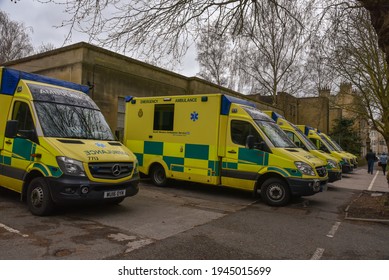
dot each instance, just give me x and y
(158, 175)
(275, 192)
(38, 197)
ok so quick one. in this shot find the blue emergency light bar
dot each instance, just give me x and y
(11, 78)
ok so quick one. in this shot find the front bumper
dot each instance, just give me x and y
(334, 176)
(347, 168)
(306, 187)
(69, 189)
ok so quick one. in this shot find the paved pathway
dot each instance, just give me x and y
(361, 180)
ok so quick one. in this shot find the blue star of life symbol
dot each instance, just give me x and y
(101, 145)
(194, 116)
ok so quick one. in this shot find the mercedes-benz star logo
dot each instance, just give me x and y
(116, 170)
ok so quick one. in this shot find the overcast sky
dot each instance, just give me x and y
(44, 17)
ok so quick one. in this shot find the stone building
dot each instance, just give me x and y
(312, 111)
(112, 77)
(346, 104)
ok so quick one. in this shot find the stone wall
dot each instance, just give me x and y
(112, 77)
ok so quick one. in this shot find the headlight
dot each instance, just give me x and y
(304, 168)
(136, 166)
(71, 166)
(332, 163)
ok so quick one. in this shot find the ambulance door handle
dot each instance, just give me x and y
(9, 142)
(232, 152)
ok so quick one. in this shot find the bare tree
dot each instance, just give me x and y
(319, 72)
(275, 55)
(45, 47)
(15, 40)
(266, 58)
(213, 56)
(379, 18)
(152, 29)
(358, 59)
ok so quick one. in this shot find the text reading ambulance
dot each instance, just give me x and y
(56, 147)
(321, 143)
(334, 168)
(219, 140)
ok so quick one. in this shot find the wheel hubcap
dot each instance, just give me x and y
(37, 197)
(275, 192)
(159, 176)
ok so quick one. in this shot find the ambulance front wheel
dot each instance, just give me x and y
(158, 175)
(275, 192)
(38, 197)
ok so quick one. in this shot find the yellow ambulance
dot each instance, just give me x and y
(321, 143)
(219, 140)
(297, 136)
(56, 147)
(337, 147)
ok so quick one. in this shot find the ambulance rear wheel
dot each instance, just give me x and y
(158, 175)
(275, 192)
(38, 197)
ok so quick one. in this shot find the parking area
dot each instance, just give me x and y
(191, 221)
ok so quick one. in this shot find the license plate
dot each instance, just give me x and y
(116, 193)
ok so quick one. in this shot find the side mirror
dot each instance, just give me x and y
(11, 129)
(250, 142)
(27, 134)
(262, 146)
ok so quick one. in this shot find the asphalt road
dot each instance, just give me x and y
(191, 221)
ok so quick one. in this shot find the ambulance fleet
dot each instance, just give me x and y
(56, 147)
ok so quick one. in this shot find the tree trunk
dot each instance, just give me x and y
(379, 14)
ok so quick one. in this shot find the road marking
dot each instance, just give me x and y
(333, 230)
(318, 254)
(134, 245)
(319, 251)
(7, 228)
(122, 237)
(372, 181)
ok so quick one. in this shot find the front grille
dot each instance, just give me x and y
(111, 170)
(322, 171)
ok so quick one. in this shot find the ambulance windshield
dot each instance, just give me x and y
(69, 114)
(326, 144)
(273, 132)
(308, 143)
(336, 145)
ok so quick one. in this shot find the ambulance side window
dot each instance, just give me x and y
(322, 147)
(319, 145)
(240, 130)
(21, 112)
(294, 139)
(26, 128)
(163, 117)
